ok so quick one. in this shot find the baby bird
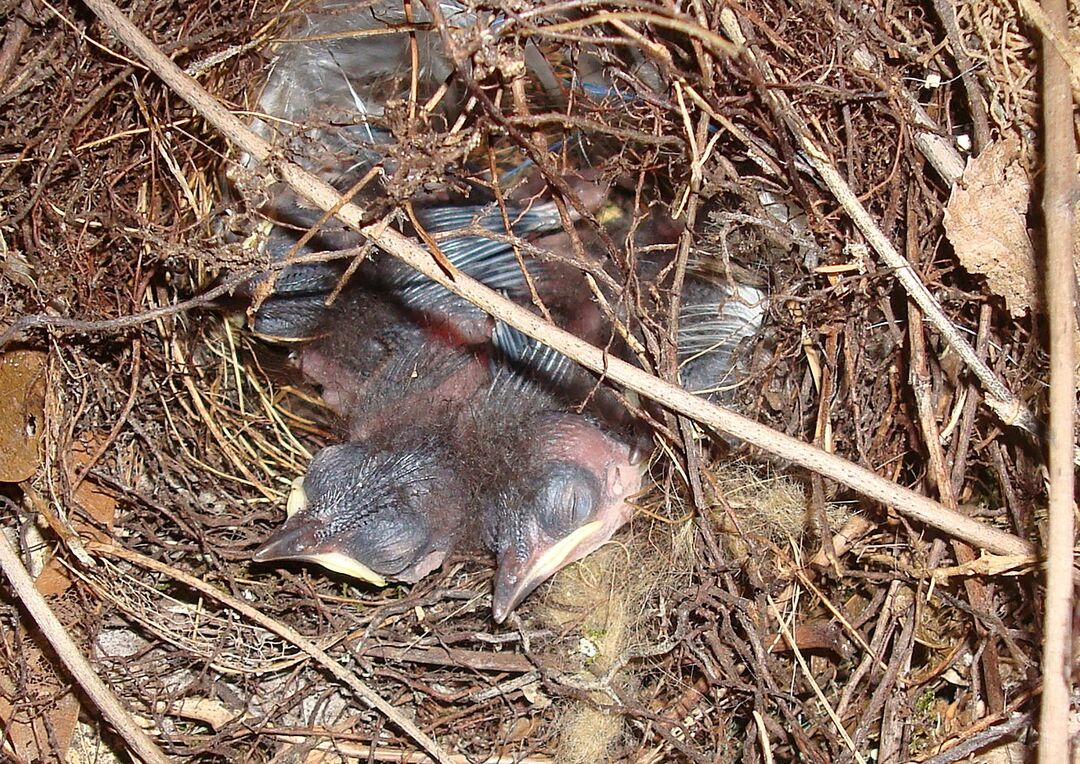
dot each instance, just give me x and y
(568, 496)
(568, 485)
(399, 358)
(388, 504)
(564, 479)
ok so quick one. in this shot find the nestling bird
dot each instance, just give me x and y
(387, 504)
(569, 495)
(565, 478)
(390, 505)
(569, 480)
(401, 359)
(462, 438)
(461, 434)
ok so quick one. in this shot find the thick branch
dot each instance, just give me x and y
(1059, 196)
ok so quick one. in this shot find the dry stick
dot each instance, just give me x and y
(342, 674)
(1011, 728)
(68, 652)
(991, 661)
(959, 744)
(1059, 196)
(125, 412)
(903, 500)
(976, 591)
(14, 36)
(350, 751)
(40, 320)
(1000, 399)
(947, 13)
(25, 324)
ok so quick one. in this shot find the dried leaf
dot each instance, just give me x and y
(53, 580)
(97, 502)
(22, 413)
(986, 221)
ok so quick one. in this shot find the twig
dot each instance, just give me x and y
(885, 700)
(207, 298)
(1059, 196)
(947, 14)
(38, 321)
(1000, 399)
(707, 37)
(1009, 719)
(763, 737)
(883, 629)
(982, 740)
(474, 660)
(977, 594)
(340, 672)
(14, 36)
(68, 652)
(378, 753)
(904, 500)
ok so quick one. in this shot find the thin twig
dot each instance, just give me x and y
(809, 677)
(902, 499)
(114, 431)
(42, 321)
(339, 672)
(14, 36)
(976, 105)
(68, 652)
(980, 741)
(976, 592)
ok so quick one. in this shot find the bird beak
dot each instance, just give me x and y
(514, 581)
(295, 540)
(297, 501)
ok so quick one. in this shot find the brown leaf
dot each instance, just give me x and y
(22, 413)
(97, 502)
(986, 221)
(53, 579)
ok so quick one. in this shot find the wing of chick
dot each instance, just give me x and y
(717, 325)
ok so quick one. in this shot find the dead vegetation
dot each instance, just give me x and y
(752, 612)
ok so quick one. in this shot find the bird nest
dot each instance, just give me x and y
(754, 609)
